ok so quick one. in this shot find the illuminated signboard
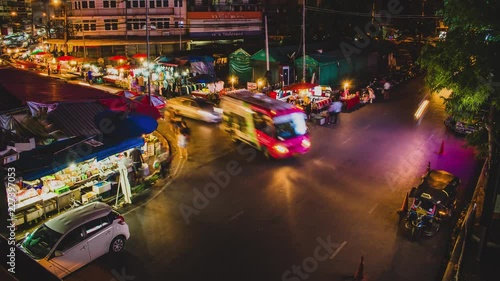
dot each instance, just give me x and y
(224, 24)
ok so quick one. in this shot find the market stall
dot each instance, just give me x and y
(350, 101)
(40, 192)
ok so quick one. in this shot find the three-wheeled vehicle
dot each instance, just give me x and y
(431, 202)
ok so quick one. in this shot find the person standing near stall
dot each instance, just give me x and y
(387, 87)
(137, 161)
(89, 76)
(182, 143)
(334, 111)
(308, 109)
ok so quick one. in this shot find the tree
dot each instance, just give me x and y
(467, 63)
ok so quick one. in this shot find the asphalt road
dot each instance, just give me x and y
(310, 218)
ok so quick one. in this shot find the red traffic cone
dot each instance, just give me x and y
(404, 206)
(441, 149)
(359, 275)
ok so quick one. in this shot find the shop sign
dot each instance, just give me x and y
(10, 158)
(251, 86)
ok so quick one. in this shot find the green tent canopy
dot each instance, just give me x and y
(278, 56)
(239, 66)
(332, 68)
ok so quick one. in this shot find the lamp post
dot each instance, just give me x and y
(83, 33)
(65, 28)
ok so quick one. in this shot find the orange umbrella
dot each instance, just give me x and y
(140, 56)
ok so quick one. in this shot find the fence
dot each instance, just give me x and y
(453, 269)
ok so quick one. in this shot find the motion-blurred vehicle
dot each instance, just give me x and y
(461, 127)
(433, 201)
(12, 49)
(195, 108)
(276, 128)
(75, 238)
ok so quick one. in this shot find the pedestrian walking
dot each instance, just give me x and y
(387, 87)
(89, 77)
(185, 130)
(182, 143)
(371, 94)
(48, 69)
(334, 111)
(308, 109)
(140, 81)
(165, 161)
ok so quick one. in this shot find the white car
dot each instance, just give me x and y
(75, 238)
(195, 108)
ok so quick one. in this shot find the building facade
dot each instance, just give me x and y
(119, 26)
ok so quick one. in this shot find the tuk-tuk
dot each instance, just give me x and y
(433, 200)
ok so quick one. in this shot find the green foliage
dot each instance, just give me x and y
(467, 63)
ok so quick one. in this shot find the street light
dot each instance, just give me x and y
(232, 81)
(57, 2)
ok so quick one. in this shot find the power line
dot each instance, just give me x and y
(357, 14)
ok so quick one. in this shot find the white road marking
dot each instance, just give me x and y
(373, 209)
(347, 140)
(338, 250)
(431, 136)
(235, 216)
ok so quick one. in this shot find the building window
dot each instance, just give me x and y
(135, 24)
(142, 4)
(109, 3)
(110, 24)
(128, 4)
(89, 25)
(88, 4)
(135, 4)
(160, 23)
(177, 3)
(161, 3)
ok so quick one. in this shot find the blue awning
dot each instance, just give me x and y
(44, 161)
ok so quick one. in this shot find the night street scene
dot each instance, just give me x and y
(250, 140)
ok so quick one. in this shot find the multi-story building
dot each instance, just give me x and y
(15, 14)
(108, 27)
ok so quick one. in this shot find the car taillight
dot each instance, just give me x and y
(121, 220)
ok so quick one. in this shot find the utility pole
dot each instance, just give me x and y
(303, 40)
(147, 52)
(65, 29)
(83, 32)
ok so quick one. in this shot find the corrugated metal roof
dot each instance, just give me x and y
(77, 119)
